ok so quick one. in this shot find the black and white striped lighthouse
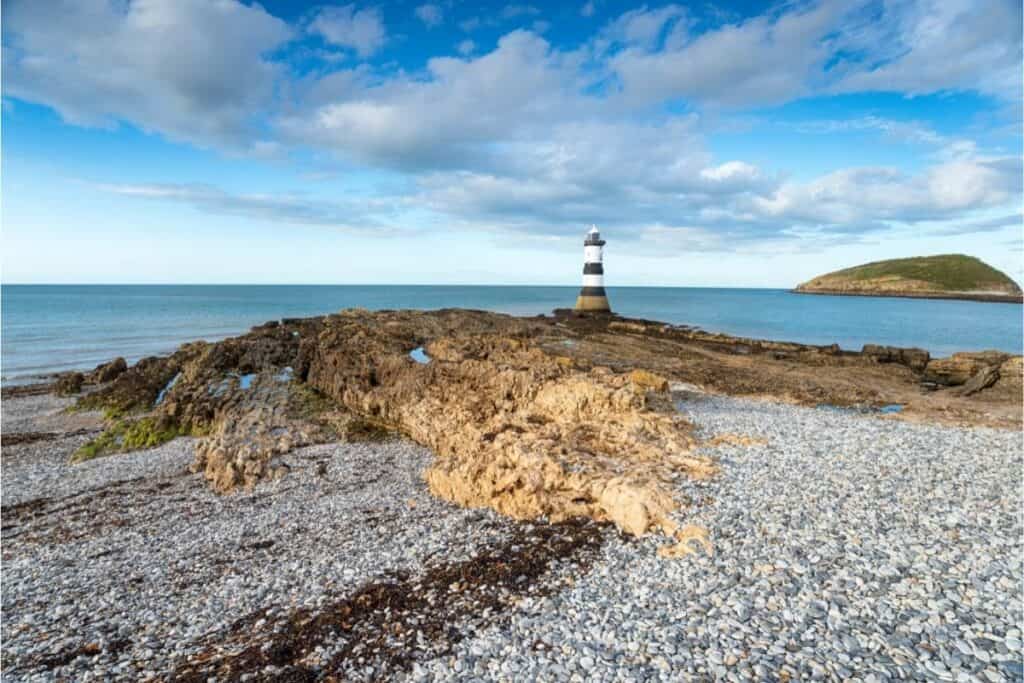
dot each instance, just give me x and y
(592, 297)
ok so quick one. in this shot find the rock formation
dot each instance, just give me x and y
(515, 428)
(107, 372)
(553, 417)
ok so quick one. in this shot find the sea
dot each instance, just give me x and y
(53, 328)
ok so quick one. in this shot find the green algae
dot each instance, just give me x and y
(123, 436)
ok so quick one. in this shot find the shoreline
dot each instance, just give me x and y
(944, 375)
(35, 384)
(35, 344)
(951, 296)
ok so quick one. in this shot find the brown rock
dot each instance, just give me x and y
(983, 379)
(520, 421)
(960, 367)
(107, 372)
(69, 383)
(1011, 375)
(623, 326)
(914, 358)
(515, 428)
(648, 381)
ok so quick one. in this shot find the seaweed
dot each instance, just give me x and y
(129, 435)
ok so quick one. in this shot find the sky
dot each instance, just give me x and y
(734, 144)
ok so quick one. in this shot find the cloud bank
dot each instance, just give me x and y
(537, 139)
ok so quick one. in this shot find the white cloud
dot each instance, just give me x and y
(190, 69)
(430, 14)
(588, 9)
(358, 215)
(860, 195)
(528, 137)
(935, 45)
(913, 47)
(462, 107)
(763, 60)
(644, 28)
(359, 29)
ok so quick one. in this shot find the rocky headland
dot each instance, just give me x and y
(948, 276)
(455, 493)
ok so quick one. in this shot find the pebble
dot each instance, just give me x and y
(846, 547)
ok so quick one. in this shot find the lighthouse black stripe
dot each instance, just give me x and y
(592, 291)
(593, 243)
(593, 269)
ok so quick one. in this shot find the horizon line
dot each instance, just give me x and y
(315, 284)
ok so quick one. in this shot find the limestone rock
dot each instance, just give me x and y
(914, 358)
(515, 428)
(520, 420)
(960, 367)
(983, 379)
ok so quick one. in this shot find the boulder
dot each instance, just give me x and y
(1011, 375)
(69, 383)
(961, 367)
(983, 379)
(914, 358)
(134, 390)
(648, 381)
(107, 372)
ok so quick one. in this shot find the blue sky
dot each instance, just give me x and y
(715, 144)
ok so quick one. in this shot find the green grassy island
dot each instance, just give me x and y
(947, 276)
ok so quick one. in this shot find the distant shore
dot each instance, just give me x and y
(960, 296)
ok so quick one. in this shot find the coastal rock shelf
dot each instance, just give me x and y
(555, 417)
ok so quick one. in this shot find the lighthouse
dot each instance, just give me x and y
(592, 297)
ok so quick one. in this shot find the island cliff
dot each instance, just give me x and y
(947, 276)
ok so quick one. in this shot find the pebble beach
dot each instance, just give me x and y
(846, 547)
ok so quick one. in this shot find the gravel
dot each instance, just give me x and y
(847, 547)
(45, 413)
(118, 567)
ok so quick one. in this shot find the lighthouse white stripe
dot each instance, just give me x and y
(593, 281)
(592, 254)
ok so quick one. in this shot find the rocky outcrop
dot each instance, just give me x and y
(135, 391)
(961, 367)
(107, 372)
(514, 428)
(913, 358)
(246, 443)
(533, 417)
(69, 384)
(983, 379)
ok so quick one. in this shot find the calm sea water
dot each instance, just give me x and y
(62, 327)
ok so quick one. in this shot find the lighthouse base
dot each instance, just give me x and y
(594, 304)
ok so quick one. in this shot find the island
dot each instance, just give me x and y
(946, 276)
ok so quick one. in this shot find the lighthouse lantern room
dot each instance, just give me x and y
(592, 297)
